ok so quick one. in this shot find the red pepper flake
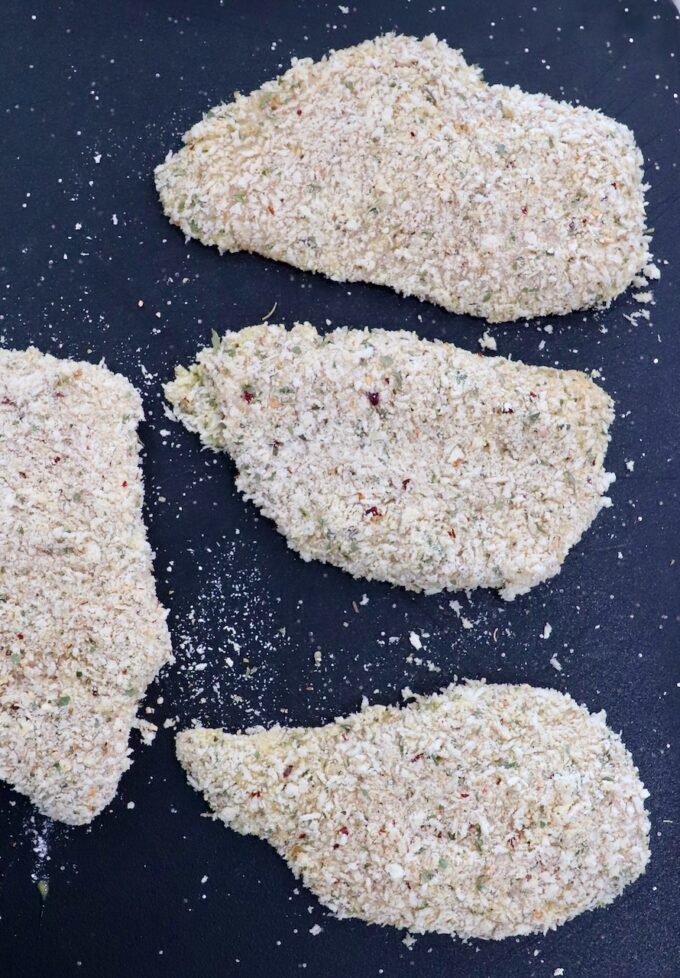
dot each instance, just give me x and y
(344, 830)
(287, 770)
(255, 794)
(533, 394)
(248, 396)
(23, 475)
(20, 636)
(58, 394)
(405, 483)
(418, 757)
(413, 135)
(336, 845)
(270, 208)
(507, 410)
(525, 210)
(373, 397)
(298, 111)
(124, 483)
(276, 444)
(373, 512)
(452, 534)
(57, 459)
(8, 400)
(614, 185)
(464, 795)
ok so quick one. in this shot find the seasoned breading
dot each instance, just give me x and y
(486, 811)
(393, 162)
(81, 631)
(404, 460)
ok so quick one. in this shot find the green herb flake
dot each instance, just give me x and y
(63, 701)
(215, 339)
(43, 889)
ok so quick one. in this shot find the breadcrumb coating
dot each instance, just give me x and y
(404, 460)
(82, 633)
(394, 162)
(485, 811)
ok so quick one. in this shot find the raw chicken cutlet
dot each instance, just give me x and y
(404, 460)
(394, 162)
(82, 633)
(486, 811)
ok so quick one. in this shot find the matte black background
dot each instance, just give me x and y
(124, 79)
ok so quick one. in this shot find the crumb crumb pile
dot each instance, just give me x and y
(485, 811)
(394, 162)
(81, 631)
(401, 459)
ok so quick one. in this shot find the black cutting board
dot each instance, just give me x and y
(92, 96)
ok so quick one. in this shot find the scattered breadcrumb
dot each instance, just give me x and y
(401, 459)
(393, 162)
(488, 342)
(81, 627)
(485, 811)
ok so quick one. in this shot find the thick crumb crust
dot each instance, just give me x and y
(82, 633)
(486, 811)
(393, 162)
(401, 459)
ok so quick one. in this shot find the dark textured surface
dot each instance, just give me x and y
(124, 80)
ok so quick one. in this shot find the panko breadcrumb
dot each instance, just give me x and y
(394, 162)
(81, 631)
(404, 460)
(485, 811)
